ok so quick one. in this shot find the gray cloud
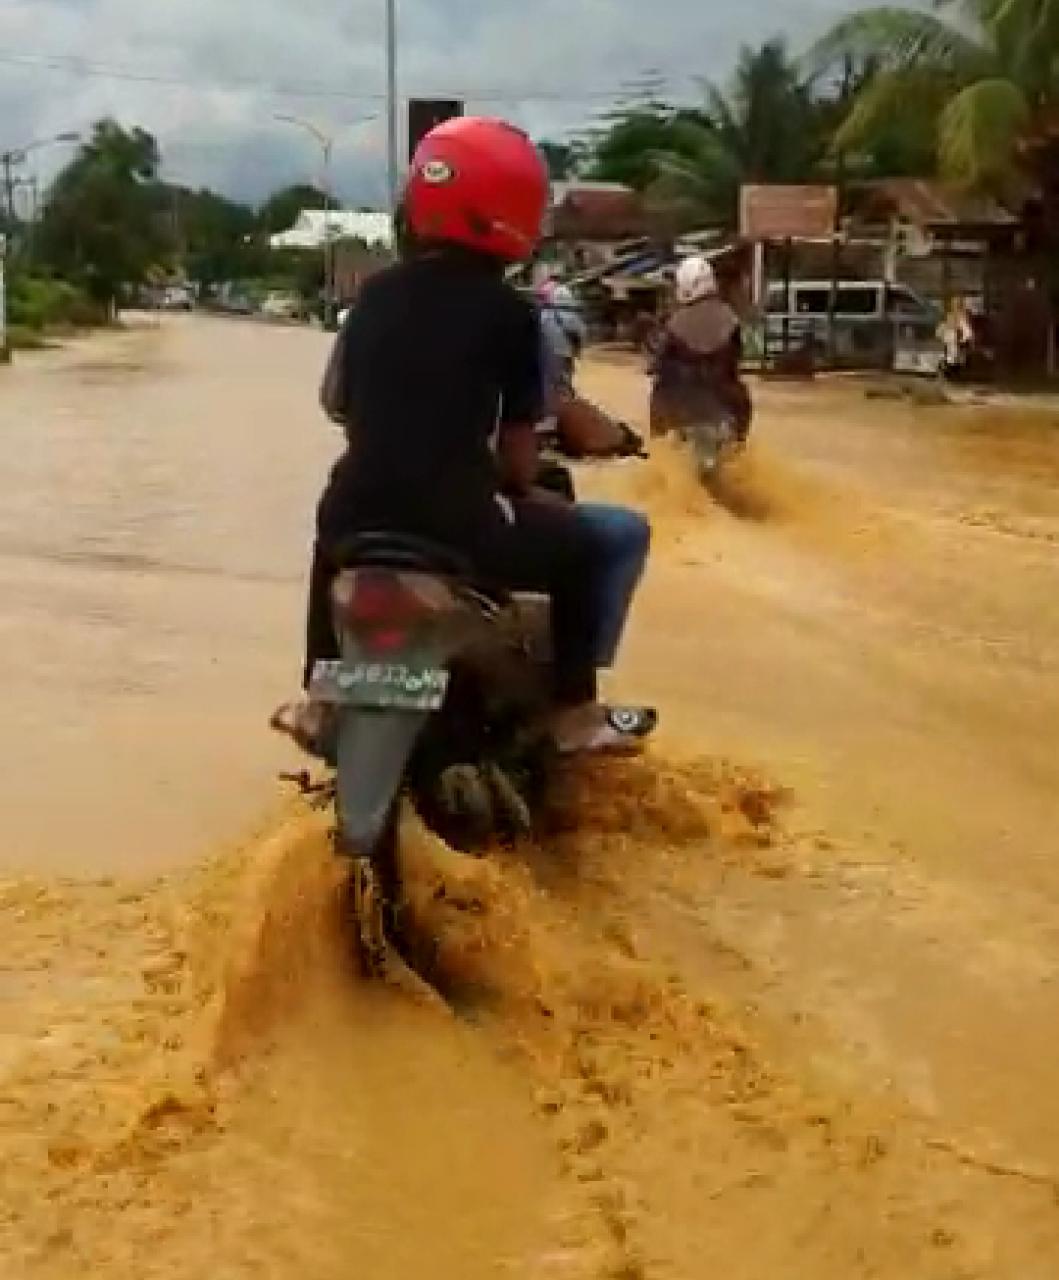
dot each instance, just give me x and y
(547, 65)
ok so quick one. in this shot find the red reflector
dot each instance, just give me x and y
(384, 641)
(384, 598)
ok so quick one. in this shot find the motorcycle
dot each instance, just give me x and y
(713, 442)
(701, 400)
(440, 692)
(692, 411)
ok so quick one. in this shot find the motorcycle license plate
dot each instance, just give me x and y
(399, 686)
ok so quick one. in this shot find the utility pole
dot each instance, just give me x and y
(392, 165)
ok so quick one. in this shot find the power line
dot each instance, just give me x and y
(65, 64)
(83, 67)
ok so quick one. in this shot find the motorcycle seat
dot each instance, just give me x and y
(405, 551)
(408, 553)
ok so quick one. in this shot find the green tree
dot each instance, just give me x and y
(625, 148)
(765, 128)
(563, 159)
(217, 239)
(901, 146)
(280, 211)
(983, 77)
(99, 227)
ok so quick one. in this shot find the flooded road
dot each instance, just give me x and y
(783, 1001)
(157, 499)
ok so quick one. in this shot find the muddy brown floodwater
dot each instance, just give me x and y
(780, 1001)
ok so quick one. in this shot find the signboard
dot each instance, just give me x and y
(425, 114)
(788, 213)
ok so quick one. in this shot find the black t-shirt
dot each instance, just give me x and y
(436, 354)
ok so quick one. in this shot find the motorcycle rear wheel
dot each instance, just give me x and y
(373, 901)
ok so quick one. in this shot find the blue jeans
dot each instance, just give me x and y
(621, 539)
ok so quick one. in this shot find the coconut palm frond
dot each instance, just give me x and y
(706, 180)
(914, 96)
(713, 166)
(898, 39)
(979, 130)
(1026, 36)
(1035, 16)
(721, 113)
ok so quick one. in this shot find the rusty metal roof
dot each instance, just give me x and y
(596, 211)
(927, 203)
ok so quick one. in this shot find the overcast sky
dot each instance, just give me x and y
(207, 77)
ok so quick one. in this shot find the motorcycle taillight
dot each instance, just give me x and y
(386, 608)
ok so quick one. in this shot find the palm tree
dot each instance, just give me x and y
(984, 76)
(764, 130)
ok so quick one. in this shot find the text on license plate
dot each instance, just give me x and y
(380, 684)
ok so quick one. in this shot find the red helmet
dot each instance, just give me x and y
(479, 183)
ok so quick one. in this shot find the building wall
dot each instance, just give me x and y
(354, 263)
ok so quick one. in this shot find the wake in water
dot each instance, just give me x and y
(241, 978)
(741, 486)
(753, 485)
(237, 1103)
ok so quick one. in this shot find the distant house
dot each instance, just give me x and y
(947, 242)
(354, 263)
(595, 212)
(926, 215)
(362, 242)
(942, 236)
(315, 227)
(929, 205)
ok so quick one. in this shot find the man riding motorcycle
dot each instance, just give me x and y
(565, 331)
(437, 379)
(696, 368)
(580, 428)
(621, 536)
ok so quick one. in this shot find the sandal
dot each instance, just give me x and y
(619, 730)
(304, 722)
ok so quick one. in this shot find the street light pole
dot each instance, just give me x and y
(328, 146)
(326, 143)
(392, 164)
(31, 214)
(17, 155)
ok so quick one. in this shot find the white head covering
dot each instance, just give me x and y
(696, 280)
(703, 321)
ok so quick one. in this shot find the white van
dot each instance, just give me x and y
(177, 297)
(873, 322)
